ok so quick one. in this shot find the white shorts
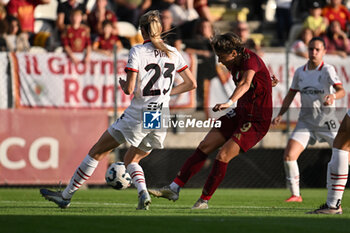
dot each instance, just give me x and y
(128, 129)
(304, 134)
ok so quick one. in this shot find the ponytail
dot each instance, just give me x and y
(150, 22)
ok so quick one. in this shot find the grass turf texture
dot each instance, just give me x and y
(230, 210)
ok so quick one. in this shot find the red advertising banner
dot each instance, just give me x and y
(46, 146)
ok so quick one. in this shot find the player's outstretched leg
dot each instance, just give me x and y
(82, 174)
(56, 197)
(192, 165)
(215, 177)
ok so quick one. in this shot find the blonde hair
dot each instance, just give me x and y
(151, 23)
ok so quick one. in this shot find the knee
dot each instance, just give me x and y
(222, 156)
(204, 147)
(97, 156)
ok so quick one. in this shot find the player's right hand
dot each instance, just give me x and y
(276, 120)
(122, 83)
(219, 107)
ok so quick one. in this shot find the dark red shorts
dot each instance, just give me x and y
(246, 132)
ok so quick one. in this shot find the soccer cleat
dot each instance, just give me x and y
(294, 198)
(144, 200)
(200, 204)
(55, 197)
(325, 209)
(164, 192)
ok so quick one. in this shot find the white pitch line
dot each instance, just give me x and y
(155, 205)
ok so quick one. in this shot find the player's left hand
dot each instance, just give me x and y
(219, 107)
(328, 100)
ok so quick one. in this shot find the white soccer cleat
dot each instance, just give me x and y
(200, 204)
(165, 192)
(144, 200)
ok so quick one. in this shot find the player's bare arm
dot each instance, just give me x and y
(285, 105)
(189, 83)
(128, 86)
(339, 93)
(242, 87)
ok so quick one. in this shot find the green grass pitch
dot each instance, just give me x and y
(230, 210)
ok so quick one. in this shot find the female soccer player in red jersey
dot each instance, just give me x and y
(241, 128)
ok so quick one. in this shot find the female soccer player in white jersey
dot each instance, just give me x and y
(319, 86)
(150, 75)
(338, 169)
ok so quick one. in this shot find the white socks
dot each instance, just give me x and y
(337, 176)
(138, 178)
(292, 175)
(82, 174)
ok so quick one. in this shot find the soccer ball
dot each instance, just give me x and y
(117, 176)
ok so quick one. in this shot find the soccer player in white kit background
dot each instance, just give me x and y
(151, 69)
(319, 87)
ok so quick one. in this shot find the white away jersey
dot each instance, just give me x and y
(313, 86)
(156, 73)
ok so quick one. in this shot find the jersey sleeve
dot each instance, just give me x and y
(295, 82)
(333, 77)
(181, 66)
(133, 61)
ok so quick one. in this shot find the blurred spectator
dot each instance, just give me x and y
(206, 68)
(64, 10)
(3, 12)
(315, 21)
(3, 30)
(128, 10)
(172, 34)
(183, 12)
(336, 40)
(242, 30)
(160, 5)
(105, 42)
(16, 40)
(98, 15)
(337, 11)
(24, 11)
(256, 11)
(76, 37)
(300, 46)
(203, 10)
(301, 9)
(184, 17)
(284, 20)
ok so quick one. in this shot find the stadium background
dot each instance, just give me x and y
(35, 108)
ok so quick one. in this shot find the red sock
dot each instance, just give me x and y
(215, 177)
(192, 165)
